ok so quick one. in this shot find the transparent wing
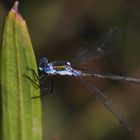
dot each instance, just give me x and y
(107, 103)
(100, 48)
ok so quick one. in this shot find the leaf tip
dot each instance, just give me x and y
(14, 10)
(15, 6)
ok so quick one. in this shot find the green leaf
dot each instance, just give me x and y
(21, 115)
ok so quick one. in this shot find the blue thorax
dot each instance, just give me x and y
(54, 67)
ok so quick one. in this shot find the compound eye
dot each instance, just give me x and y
(43, 62)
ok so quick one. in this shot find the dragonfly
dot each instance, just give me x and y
(66, 68)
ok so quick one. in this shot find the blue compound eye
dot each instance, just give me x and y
(43, 62)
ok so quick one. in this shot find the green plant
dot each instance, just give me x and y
(21, 115)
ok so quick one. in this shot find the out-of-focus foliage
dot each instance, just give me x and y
(58, 30)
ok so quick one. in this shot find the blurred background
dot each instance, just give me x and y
(58, 29)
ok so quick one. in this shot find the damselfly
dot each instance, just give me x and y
(65, 68)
